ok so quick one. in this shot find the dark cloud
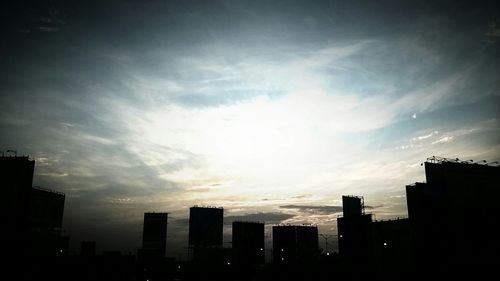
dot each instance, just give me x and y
(326, 210)
(322, 209)
(373, 207)
(269, 218)
(181, 222)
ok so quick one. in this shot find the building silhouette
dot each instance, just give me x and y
(88, 249)
(454, 216)
(248, 243)
(31, 219)
(16, 177)
(33, 215)
(45, 217)
(355, 235)
(352, 206)
(392, 248)
(205, 234)
(154, 234)
(354, 230)
(293, 244)
(46, 208)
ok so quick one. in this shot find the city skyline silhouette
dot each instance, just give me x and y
(423, 243)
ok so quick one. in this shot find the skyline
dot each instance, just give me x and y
(271, 110)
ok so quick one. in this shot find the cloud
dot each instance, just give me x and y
(302, 196)
(48, 28)
(431, 134)
(269, 218)
(493, 31)
(449, 135)
(327, 210)
(373, 207)
(184, 222)
(444, 139)
(438, 93)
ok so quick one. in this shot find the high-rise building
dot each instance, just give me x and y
(205, 226)
(307, 243)
(46, 208)
(352, 206)
(154, 234)
(32, 215)
(355, 238)
(392, 248)
(45, 217)
(295, 244)
(454, 216)
(248, 243)
(16, 178)
(205, 235)
(354, 231)
(88, 249)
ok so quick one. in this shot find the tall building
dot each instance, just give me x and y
(16, 178)
(205, 235)
(454, 216)
(248, 243)
(45, 217)
(352, 206)
(88, 249)
(307, 243)
(32, 215)
(355, 236)
(392, 248)
(154, 234)
(295, 244)
(205, 226)
(46, 208)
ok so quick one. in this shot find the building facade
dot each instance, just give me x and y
(206, 234)
(154, 234)
(453, 216)
(295, 244)
(248, 243)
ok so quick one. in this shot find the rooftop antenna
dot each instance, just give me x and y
(440, 160)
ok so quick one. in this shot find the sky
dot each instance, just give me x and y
(270, 109)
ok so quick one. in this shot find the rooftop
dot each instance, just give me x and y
(440, 160)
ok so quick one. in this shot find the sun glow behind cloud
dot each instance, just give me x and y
(294, 124)
(262, 143)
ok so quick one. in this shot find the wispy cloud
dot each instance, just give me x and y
(314, 209)
(270, 218)
(493, 31)
(431, 134)
(48, 28)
